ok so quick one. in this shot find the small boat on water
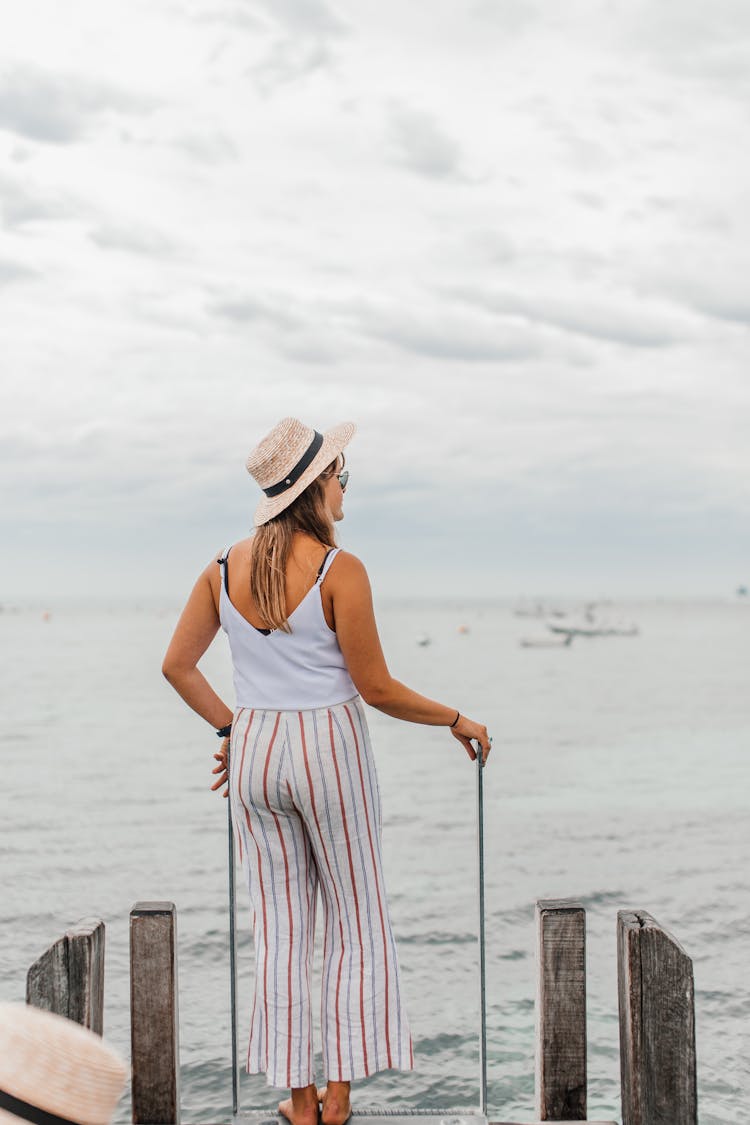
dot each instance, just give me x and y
(591, 627)
(423, 640)
(547, 642)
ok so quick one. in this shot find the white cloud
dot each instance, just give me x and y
(208, 146)
(290, 60)
(622, 318)
(708, 43)
(304, 17)
(59, 108)
(14, 271)
(420, 144)
(443, 333)
(24, 202)
(136, 239)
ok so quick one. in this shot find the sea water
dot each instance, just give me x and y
(619, 776)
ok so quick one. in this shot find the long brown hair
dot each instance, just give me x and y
(272, 544)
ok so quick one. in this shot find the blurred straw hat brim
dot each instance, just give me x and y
(57, 1066)
(275, 460)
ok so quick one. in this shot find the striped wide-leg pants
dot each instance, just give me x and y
(307, 817)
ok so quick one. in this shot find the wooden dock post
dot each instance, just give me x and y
(561, 1010)
(657, 1024)
(154, 1026)
(68, 978)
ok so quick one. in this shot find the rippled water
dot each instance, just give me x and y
(619, 776)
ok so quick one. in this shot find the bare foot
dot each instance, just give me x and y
(302, 1108)
(337, 1108)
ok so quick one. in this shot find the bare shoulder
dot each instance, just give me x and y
(241, 549)
(211, 577)
(348, 568)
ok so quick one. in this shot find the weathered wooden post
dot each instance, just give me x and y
(657, 1024)
(68, 978)
(561, 1010)
(154, 1029)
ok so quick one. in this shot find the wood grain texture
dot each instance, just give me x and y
(69, 976)
(154, 1020)
(561, 1010)
(657, 1024)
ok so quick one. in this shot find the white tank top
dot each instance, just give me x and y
(278, 671)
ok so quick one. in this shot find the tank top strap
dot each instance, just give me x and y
(222, 563)
(326, 563)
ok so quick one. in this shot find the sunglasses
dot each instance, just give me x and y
(343, 478)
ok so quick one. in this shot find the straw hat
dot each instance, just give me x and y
(52, 1066)
(289, 458)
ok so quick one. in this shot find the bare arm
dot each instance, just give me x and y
(197, 627)
(360, 644)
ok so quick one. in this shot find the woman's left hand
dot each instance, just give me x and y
(222, 758)
(465, 730)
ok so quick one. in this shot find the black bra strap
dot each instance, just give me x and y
(320, 569)
(223, 562)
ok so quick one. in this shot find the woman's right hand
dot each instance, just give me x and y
(222, 769)
(465, 730)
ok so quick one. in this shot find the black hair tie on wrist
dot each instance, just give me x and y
(458, 716)
(225, 732)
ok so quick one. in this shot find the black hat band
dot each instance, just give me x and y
(30, 1112)
(304, 462)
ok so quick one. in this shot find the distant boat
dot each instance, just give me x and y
(742, 591)
(590, 627)
(423, 640)
(547, 642)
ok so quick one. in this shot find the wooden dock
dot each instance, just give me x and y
(655, 999)
(378, 1117)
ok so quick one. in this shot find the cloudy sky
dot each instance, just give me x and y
(510, 239)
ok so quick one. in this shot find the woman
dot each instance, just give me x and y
(305, 800)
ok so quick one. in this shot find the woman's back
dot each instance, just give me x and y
(275, 670)
(302, 569)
